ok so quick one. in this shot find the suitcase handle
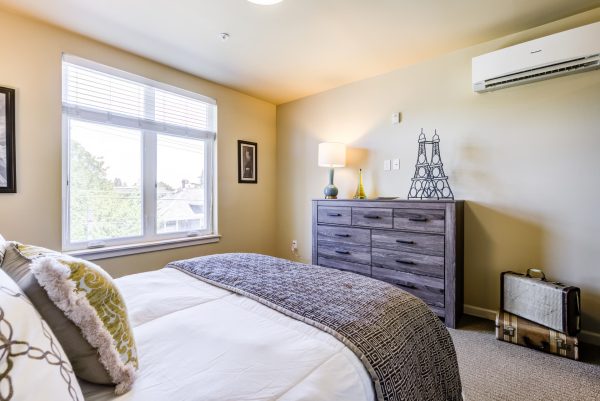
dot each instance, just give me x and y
(540, 274)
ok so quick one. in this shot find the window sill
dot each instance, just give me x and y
(133, 249)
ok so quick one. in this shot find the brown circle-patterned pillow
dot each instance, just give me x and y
(33, 364)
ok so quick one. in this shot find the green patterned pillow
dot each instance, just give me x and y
(84, 308)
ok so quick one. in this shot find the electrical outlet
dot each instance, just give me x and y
(395, 118)
(294, 246)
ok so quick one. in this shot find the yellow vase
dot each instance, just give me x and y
(360, 191)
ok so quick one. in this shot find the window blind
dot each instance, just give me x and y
(98, 93)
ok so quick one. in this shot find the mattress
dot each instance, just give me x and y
(197, 342)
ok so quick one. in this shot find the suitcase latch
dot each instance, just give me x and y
(561, 344)
(509, 331)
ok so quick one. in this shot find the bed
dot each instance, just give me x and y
(199, 342)
(228, 327)
(199, 338)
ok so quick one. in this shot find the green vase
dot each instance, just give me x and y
(360, 191)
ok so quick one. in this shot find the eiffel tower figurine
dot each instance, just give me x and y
(429, 181)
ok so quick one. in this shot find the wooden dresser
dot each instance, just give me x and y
(416, 245)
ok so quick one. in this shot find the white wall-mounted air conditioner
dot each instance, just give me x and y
(568, 52)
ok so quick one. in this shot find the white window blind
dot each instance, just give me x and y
(102, 94)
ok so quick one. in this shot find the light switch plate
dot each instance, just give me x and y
(395, 118)
(387, 165)
(396, 164)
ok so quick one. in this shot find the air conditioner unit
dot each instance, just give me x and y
(568, 52)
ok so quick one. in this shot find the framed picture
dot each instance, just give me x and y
(8, 175)
(247, 162)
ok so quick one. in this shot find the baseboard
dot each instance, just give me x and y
(480, 312)
(585, 336)
(590, 337)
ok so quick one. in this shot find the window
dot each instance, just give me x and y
(138, 164)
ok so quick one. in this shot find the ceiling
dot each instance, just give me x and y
(298, 47)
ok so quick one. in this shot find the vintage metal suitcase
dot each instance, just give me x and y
(550, 304)
(516, 330)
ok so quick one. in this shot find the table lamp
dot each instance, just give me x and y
(331, 154)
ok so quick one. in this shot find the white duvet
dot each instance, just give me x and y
(197, 342)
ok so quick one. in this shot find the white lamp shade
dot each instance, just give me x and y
(332, 154)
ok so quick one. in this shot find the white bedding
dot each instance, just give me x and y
(197, 342)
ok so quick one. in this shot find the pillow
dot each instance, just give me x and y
(33, 365)
(84, 308)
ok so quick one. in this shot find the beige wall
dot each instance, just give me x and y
(31, 63)
(526, 159)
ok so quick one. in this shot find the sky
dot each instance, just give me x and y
(120, 148)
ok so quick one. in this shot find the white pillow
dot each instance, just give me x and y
(33, 365)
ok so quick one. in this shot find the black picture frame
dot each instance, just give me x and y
(8, 164)
(247, 162)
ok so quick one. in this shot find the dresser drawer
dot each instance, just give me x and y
(334, 215)
(372, 217)
(346, 252)
(429, 289)
(422, 220)
(345, 235)
(409, 262)
(344, 265)
(426, 244)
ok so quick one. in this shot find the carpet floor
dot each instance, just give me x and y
(498, 371)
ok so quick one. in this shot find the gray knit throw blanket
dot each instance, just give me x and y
(402, 344)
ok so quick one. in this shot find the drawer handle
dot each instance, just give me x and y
(433, 289)
(342, 252)
(405, 262)
(403, 241)
(343, 235)
(334, 214)
(417, 219)
(371, 216)
(412, 287)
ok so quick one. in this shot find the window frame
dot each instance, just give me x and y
(150, 239)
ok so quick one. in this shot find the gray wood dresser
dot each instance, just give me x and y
(415, 245)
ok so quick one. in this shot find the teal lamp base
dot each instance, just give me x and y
(330, 190)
